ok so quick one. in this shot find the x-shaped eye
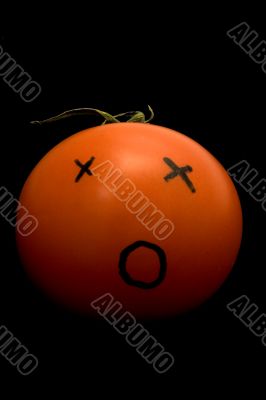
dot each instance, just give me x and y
(179, 171)
(84, 168)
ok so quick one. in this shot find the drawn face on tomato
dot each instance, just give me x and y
(136, 210)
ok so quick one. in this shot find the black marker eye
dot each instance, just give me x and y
(179, 171)
(84, 168)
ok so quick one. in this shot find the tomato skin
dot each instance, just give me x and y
(83, 227)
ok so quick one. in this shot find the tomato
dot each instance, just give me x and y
(132, 209)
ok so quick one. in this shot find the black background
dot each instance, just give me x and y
(199, 83)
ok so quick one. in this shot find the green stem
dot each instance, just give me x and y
(133, 116)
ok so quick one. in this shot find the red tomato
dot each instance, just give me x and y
(136, 210)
